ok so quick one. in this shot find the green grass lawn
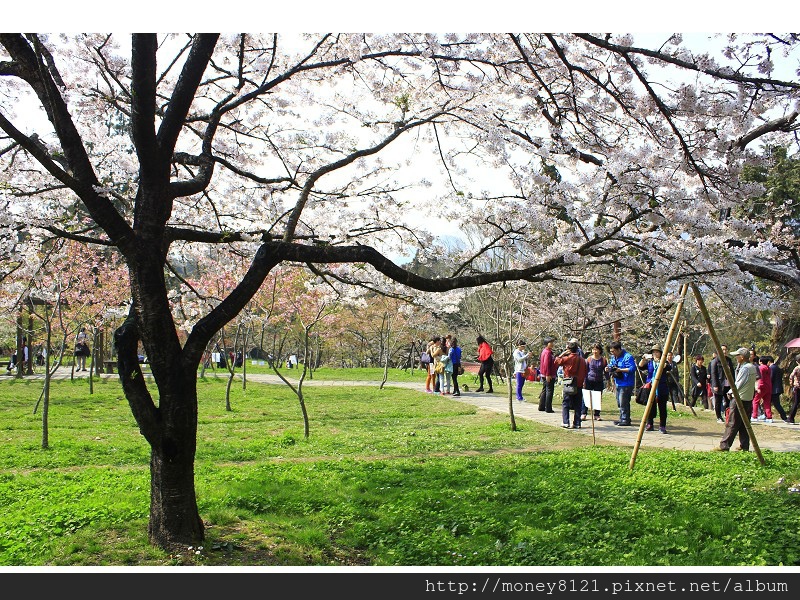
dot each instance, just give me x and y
(328, 373)
(387, 477)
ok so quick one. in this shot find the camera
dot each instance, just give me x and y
(648, 356)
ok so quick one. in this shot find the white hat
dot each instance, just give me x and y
(741, 352)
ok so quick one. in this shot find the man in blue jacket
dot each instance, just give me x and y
(622, 367)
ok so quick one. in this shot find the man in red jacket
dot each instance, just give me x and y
(575, 369)
(547, 372)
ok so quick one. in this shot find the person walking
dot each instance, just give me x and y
(437, 351)
(596, 378)
(745, 381)
(12, 362)
(622, 368)
(521, 356)
(20, 358)
(81, 349)
(429, 379)
(651, 363)
(572, 392)
(763, 396)
(699, 377)
(776, 375)
(485, 353)
(446, 376)
(719, 382)
(673, 382)
(455, 359)
(794, 390)
(548, 375)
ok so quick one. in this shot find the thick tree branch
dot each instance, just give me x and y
(724, 74)
(184, 92)
(126, 342)
(81, 178)
(786, 123)
(771, 271)
(143, 103)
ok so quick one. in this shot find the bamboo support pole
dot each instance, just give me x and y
(728, 374)
(685, 373)
(659, 371)
(685, 365)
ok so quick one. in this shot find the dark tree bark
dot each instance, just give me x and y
(787, 327)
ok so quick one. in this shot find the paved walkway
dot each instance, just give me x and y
(695, 433)
(683, 435)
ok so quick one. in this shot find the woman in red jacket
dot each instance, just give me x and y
(487, 363)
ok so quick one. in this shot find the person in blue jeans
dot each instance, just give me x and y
(650, 362)
(521, 356)
(622, 367)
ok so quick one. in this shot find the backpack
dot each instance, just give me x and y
(425, 358)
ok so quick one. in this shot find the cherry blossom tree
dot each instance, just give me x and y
(607, 160)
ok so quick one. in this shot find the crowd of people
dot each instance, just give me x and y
(758, 380)
(442, 359)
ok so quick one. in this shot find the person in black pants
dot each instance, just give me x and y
(745, 380)
(776, 374)
(719, 383)
(455, 358)
(547, 374)
(699, 377)
(487, 363)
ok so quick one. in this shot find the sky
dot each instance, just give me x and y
(409, 15)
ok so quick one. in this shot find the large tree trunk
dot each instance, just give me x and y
(174, 518)
(171, 430)
(787, 327)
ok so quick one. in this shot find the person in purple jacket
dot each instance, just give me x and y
(596, 377)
